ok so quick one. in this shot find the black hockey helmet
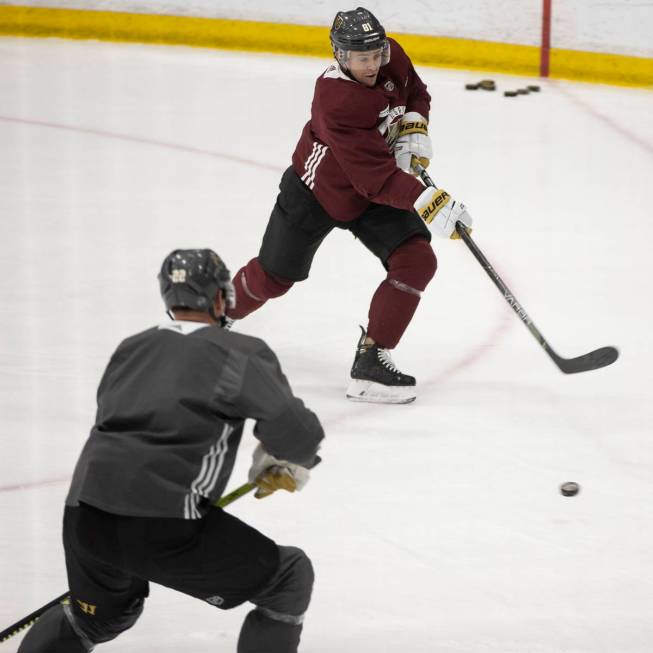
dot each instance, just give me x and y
(192, 278)
(358, 30)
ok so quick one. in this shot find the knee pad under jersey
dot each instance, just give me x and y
(98, 630)
(260, 284)
(412, 264)
(288, 593)
(275, 625)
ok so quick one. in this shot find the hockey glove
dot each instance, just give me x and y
(413, 141)
(437, 208)
(271, 474)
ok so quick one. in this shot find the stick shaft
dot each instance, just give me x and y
(503, 288)
(30, 618)
(591, 361)
(491, 272)
(241, 491)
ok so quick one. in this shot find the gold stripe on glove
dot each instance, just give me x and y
(428, 212)
(273, 479)
(412, 127)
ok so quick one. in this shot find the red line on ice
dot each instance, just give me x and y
(587, 106)
(143, 141)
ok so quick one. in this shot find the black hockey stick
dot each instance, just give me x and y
(592, 361)
(29, 620)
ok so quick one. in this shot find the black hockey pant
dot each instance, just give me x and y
(110, 560)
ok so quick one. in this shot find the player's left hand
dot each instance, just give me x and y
(413, 141)
(271, 474)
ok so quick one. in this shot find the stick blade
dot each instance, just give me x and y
(593, 361)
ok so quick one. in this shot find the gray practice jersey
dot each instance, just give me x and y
(171, 408)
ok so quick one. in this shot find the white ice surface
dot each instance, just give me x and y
(433, 527)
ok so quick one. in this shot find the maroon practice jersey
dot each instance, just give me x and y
(344, 154)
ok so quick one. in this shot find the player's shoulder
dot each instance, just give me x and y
(396, 50)
(400, 62)
(137, 338)
(239, 343)
(340, 99)
(174, 337)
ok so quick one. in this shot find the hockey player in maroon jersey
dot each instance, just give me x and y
(352, 169)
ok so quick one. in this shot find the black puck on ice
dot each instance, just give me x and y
(510, 93)
(487, 85)
(534, 88)
(484, 84)
(522, 91)
(569, 489)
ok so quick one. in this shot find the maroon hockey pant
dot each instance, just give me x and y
(409, 269)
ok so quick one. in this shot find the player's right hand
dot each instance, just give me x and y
(437, 208)
(271, 474)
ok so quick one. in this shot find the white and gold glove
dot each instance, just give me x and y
(413, 141)
(437, 208)
(271, 474)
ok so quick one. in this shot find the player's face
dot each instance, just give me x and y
(364, 66)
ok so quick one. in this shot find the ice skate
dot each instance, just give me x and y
(375, 378)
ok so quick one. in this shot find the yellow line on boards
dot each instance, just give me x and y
(601, 67)
(313, 41)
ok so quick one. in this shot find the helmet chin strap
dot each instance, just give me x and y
(220, 319)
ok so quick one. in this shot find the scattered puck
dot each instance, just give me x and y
(569, 489)
(522, 91)
(487, 85)
(510, 93)
(471, 87)
(534, 88)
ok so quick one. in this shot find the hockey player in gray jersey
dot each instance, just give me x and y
(171, 409)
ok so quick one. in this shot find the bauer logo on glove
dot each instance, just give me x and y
(418, 126)
(437, 208)
(437, 201)
(413, 141)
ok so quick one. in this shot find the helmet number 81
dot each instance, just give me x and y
(366, 27)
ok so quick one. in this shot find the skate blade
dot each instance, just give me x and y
(369, 391)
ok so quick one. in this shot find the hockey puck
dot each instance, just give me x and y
(471, 87)
(487, 85)
(569, 489)
(522, 91)
(510, 93)
(534, 88)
